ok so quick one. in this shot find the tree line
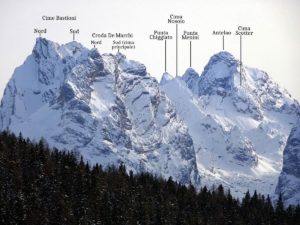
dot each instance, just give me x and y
(39, 185)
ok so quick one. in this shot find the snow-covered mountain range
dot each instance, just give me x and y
(106, 107)
(239, 125)
(218, 126)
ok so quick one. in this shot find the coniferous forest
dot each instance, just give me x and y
(42, 186)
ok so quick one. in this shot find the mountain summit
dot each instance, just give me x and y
(220, 74)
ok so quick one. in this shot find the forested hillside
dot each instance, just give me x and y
(43, 186)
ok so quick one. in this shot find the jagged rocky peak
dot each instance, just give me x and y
(223, 58)
(289, 180)
(190, 77)
(130, 66)
(189, 74)
(44, 49)
(166, 77)
(220, 75)
(106, 107)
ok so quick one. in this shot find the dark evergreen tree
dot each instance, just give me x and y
(39, 185)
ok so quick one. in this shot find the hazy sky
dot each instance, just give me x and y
(274, 47)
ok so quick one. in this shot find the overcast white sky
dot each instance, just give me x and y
(274, 47)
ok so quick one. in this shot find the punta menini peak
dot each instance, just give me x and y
(201, 129)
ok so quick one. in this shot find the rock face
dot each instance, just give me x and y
(106, 107)
(239, 124)
(289, 180)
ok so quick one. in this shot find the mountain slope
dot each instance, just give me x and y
(239, 131)
(289, 180)
(106, 107)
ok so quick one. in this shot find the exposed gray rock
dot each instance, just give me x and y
(289, 180)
